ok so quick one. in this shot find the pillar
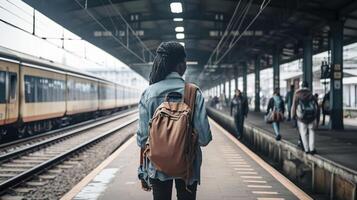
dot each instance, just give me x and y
(245, 72)
(220, 89)
(229, 88)
(336, 95)
(224, 87)
(257, 84)
(307, 61)
(276, 69)
(235, 78)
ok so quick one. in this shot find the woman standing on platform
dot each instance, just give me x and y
(166, 78)
(239, 111)
(276, 111)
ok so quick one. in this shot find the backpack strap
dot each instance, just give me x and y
(190, 99)
(190, 95)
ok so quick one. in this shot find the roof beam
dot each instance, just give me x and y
(347, 9)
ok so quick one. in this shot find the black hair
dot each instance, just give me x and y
(277, 91)
(168, 56)
(304, 84)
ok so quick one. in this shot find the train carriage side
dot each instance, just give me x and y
(119, 91)
(107, 97)
(82, 95)
(132, 96)
(43, 91)
(9, 93)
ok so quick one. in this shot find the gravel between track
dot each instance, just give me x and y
(54, 183)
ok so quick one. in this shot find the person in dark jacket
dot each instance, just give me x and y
(319, 110)
(303, 98)
(325, 105)
(289, 100)
(239, 110)
(276, 105)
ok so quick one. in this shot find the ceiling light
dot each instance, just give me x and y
(183, 44)
(180, 36)
(179, 29)
(191, 62)
(176, 7)
(178, 19)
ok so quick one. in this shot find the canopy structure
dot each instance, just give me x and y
(131, 30)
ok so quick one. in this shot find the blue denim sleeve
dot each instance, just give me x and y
(142, 133)
(200, 121)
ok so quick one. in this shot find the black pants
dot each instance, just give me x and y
(162, 190)
(239, 122)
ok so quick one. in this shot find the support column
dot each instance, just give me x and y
(245, 71)
(235, 78)
(336, 94)
(276, 69)
(229, 88)
(224, 87)
(257, 84)
(307, 61)
(220, 89)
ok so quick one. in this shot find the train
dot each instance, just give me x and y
(38, 95)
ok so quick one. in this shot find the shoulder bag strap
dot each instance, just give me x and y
(190, 96)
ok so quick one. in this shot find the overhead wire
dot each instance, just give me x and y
(262, 7)
(105, 29)
(239, 20)
(110, 17)
(226, 30)
(129, 27)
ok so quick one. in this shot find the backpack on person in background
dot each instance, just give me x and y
(306, 110)
(276, 114)
(172, 141)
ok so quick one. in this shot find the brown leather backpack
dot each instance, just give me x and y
(172, 142)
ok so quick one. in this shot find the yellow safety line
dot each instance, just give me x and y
(77, 188)
(277, 175)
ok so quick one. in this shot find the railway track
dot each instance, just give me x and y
(9, 147)
(20, 165)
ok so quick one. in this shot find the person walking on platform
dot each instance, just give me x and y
(239, 111)
(276, 110)
(325, 107)
(305, 110)
(172, 121)
(318, 110)
(289, 100)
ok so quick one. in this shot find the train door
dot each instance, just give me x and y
(2, 97)
(11, 109)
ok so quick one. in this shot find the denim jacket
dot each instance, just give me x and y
(151, 98)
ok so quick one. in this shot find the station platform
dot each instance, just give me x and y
(330, 173)
(339, 147)
(229, 171)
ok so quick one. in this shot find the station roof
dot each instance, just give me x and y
(282, 24)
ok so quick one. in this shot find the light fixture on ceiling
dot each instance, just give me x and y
(176, 7)
(191, 63)
(178, 19)
(180, 36)
(180, 29)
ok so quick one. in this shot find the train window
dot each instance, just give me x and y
(2, 87)
(38, 89)
(13, 85)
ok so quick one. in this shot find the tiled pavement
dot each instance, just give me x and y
(227, 173)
